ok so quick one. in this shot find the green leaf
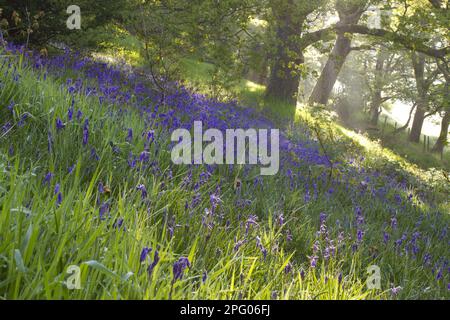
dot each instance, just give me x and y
(100, 267)
(19, 261)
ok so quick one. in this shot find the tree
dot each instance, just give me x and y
(287, 22)
(441, 142)
(423, 83)
(401, 34)
(349, 13)
(390, 79)
(39, 22)
(213, 31)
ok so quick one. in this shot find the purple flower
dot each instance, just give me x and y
(274, 295)
(323, 217)
(145, 251)
(251, 221)
(70, 169)
(394, 223)
(11, 106)
(129, 135)
(360, 235)
(79, 115)
(154, 263)
(131, 160)
(179, 267)
(101, 188)
(316, 246)
(288, 268)
(94, 154)
(214, 200)
(86, 132)
(359, 216)
(118, 224)
(70, 114)
(313, 261)
(47, 178)
(23, 117)
(104, 209)
(386, 237)
(302, 274)
(143, 190)
(427, 259)
(149, 135)
(396, 290)
(58, 193)
(281, 220)
(238, 244)
(204, 276)
(144, 156)
(439, 275)
(289, 236)
(59, 199)
(59, 124)
(261, 247)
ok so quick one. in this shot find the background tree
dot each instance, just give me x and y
(288, 22)
(43, 21)
(349, 13)
(212, 31)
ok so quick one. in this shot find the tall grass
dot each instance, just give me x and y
(92, 212)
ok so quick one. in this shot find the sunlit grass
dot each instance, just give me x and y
(41, 238)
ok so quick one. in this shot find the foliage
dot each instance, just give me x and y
(41, 22)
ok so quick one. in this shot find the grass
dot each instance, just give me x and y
(102, 222)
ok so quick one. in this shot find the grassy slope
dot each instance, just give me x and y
(40, 239)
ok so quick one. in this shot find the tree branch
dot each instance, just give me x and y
(413, 44)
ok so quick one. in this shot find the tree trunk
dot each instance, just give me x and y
(336, 60)
(330, 72)
(284, 78)
(442, 140)
(418, 61)
(419, 118)
(375, 108)
(377, 98)
(283, 81)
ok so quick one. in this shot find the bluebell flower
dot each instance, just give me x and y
(281, 220)
(59, 124)
(179, 267)
(48, 177)
(313, 261)
(129, 137)
(152, 266)
(238, 244)
(119, 224)
(104, 209)
(143, 190)
(79, 115)
(70, 114)
(101, 188)
(396, 290)
(71, 168)
(145, 251)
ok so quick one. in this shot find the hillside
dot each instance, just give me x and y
(86, 179)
